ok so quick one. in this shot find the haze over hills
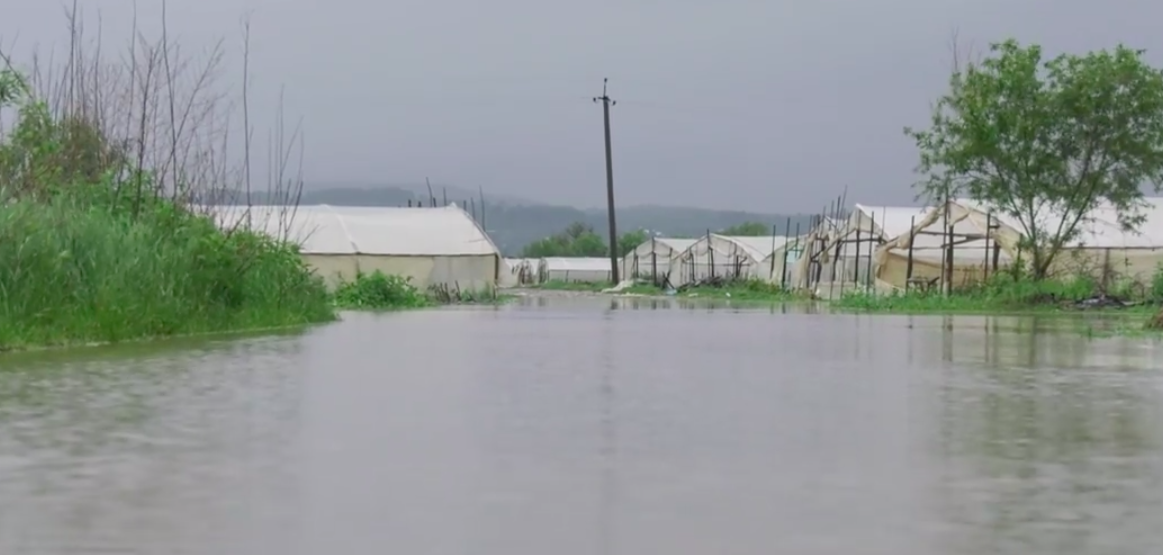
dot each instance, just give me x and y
(513, 222)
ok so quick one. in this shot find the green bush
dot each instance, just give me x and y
(379, 291)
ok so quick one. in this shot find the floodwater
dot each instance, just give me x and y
(592, 426)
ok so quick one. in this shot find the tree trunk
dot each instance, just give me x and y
(1038, 268)
(1156, 322)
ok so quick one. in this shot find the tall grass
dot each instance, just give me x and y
(77, 272)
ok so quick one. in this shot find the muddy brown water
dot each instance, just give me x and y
(571, 425)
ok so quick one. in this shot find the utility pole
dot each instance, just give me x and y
(606, 103)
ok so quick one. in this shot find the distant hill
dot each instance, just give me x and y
(513, 223)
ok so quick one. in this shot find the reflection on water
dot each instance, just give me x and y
(1047, 439)
(579, 425)
(632, 302)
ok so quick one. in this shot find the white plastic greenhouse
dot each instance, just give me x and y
(779, 266)
(724, 256)
(589, 270)
(429, 245)
(652, 259)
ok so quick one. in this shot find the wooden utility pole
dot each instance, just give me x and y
(606, 103)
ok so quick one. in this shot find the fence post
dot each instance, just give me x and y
(771, 272)
(872, 243)
(909, 267)
(710, 256)
(653, 261)
(856, 271)
(783, 275)
(985, 263)
(948, 257)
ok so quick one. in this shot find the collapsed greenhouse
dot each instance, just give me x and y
(954, 243)
(869, 248)
(962, 242)
(840, 250)
(1101, 248)
(431, 246)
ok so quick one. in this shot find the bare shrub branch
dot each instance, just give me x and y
(163, 118)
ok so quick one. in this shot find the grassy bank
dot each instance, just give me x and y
(1007, 294)
(94, 250)
(98, 243)
(80, 268)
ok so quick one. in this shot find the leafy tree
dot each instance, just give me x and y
(577, 230)
(747, 229)
(1047, 141)
(630, 241)
(578, 239)
(589, 244)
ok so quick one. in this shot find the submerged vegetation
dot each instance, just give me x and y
(1011, 292)
(741, 289)
(377, 291)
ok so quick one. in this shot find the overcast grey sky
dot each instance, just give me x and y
(749, 104)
